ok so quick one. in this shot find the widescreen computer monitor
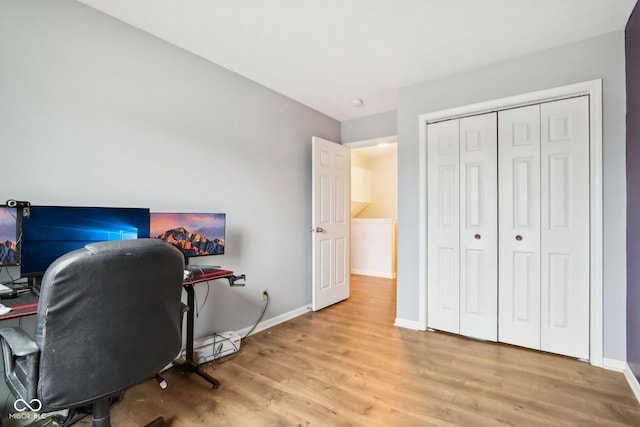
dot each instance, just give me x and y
(195, 234)
(52, 231)
(8, 237)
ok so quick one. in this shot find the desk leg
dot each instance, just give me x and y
(190, 365)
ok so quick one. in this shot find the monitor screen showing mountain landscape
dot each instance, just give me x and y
(195, 234)
(8, 250)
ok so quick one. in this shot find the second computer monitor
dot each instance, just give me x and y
(195, 234)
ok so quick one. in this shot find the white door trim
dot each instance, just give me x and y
(592, 88)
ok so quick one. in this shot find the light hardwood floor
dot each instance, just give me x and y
(347, 365)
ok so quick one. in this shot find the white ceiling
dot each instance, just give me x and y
(324, 53)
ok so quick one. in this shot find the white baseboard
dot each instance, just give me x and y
(405, 323)
(373, 273)
(632, 380)
(614, 364)
(275, 320)
(620, 366)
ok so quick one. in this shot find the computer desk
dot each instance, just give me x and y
(26, 303)
(201, 274)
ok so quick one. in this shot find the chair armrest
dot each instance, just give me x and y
(20, 343)
(21, 357)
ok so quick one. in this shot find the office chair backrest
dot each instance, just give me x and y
(108, 318)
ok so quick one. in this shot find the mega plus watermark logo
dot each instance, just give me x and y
(27, 410)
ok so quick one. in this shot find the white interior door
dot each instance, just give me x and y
(443, 226)
(519, 227)
(479, 226)
(331, 219)
(565, 227)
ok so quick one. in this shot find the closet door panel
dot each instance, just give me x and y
(478, 226)
(443, 225)
(565, 227)
(519, 226)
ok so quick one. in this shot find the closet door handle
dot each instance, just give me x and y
(518, 237)
(477, 237)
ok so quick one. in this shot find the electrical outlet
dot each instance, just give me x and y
(263, 294)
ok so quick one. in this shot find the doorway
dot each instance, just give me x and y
(374, 207)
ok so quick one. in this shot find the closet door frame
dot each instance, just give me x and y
(593, 88)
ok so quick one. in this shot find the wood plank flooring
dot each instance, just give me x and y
(347, 365)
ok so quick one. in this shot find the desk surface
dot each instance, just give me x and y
(23, 305)
(27, 303)
(202, 274)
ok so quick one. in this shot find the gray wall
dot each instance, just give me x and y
(632, 48)
(96, 113)
(600, 57)
(370, 127)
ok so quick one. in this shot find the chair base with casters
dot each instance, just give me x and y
(99, 412)
(101, 418)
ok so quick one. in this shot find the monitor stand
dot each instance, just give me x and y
(34, 284)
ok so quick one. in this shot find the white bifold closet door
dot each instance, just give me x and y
(462, 226)
(508, 226)
(544, 226)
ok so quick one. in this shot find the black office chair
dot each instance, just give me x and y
(108, 318)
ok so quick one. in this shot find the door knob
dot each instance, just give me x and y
(518, 237)
(318, 229)
(477, 237)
